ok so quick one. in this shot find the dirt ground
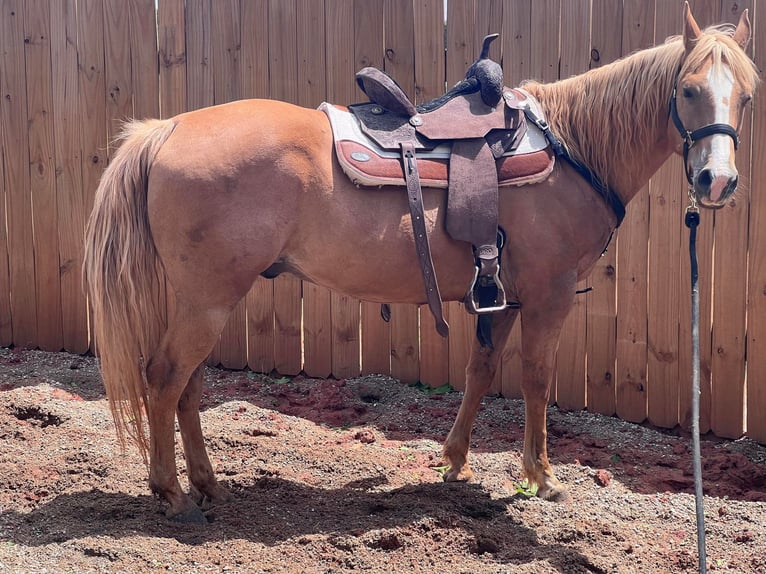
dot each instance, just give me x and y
(342, 476)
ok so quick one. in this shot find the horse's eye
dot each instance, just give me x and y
(745, 99)
(688, 93)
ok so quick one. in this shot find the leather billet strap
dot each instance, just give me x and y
(417, 214)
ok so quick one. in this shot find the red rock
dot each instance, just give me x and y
(603, 477)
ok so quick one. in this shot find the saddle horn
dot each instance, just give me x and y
(489, 74)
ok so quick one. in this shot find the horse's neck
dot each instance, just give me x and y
(615, 119)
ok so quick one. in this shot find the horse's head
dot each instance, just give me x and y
(714, 84)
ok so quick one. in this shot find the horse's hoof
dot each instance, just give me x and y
(192, 515)
(557, 493)
(464, 474)
(212, 496)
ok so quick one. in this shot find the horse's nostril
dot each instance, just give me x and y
(705, 179)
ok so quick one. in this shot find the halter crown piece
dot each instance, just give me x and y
(690, 138)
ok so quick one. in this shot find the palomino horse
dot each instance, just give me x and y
(221, 195)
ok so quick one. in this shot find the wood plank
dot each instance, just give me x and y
(92, 100)
(434, 352)
(255, 49)
(706, 12)
(428, 17)
(42, 168)
(346, 335)
(606, 47)
(568, 389)
(16, 175)
(488, 19)
(199, 56)
(544, 57)
(368, 37)
(70, 196)
(317, 331)
(6, 328)
(376, 341)
(312, 90)
(144, 67)
(756, 312)
(632, 243)
(430, 83)
(400, 64)
(461, 39)
(260, 326)
(516, 55)
(199, 78)
(461, 52)
(369, 51)
(666, 206)
(517, 42)
(259, 301)
(171, 59)
(226, 42)
(118, 74)
(730, 288)
(283, 85)
(144, 59)
(341, 88)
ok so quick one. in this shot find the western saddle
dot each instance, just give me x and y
(471, 118)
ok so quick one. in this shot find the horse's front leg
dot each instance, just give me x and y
(479, 374)
(203, 484)
(541, 325)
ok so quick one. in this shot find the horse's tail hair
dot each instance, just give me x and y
(120, 274)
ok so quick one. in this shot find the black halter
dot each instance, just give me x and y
(691, 138)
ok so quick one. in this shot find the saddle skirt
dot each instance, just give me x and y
(366, 163)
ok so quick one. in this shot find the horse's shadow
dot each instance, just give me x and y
(273, 511)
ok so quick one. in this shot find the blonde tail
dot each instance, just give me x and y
(120, 270)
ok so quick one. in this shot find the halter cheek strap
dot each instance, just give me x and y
(691, 138)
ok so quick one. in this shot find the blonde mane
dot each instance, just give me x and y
(611, 114)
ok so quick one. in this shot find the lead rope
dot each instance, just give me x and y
(692, 220)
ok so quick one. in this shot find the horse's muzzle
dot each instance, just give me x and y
(714, 188)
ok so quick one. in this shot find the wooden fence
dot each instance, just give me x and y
(72, 69)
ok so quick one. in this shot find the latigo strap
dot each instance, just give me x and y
(422, 246)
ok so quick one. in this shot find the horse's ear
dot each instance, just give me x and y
(742, 33)
(692, 31)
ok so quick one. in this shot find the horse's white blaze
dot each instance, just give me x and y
(719, 156)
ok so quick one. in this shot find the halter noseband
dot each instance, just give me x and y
(691, 138)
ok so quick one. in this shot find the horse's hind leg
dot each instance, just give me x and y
(480, 372)
(203, 485)
(190, 336)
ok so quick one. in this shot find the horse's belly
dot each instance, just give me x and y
(383, 276)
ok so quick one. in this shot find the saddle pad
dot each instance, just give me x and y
(365, 163)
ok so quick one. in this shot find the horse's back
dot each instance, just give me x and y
(246, 132)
